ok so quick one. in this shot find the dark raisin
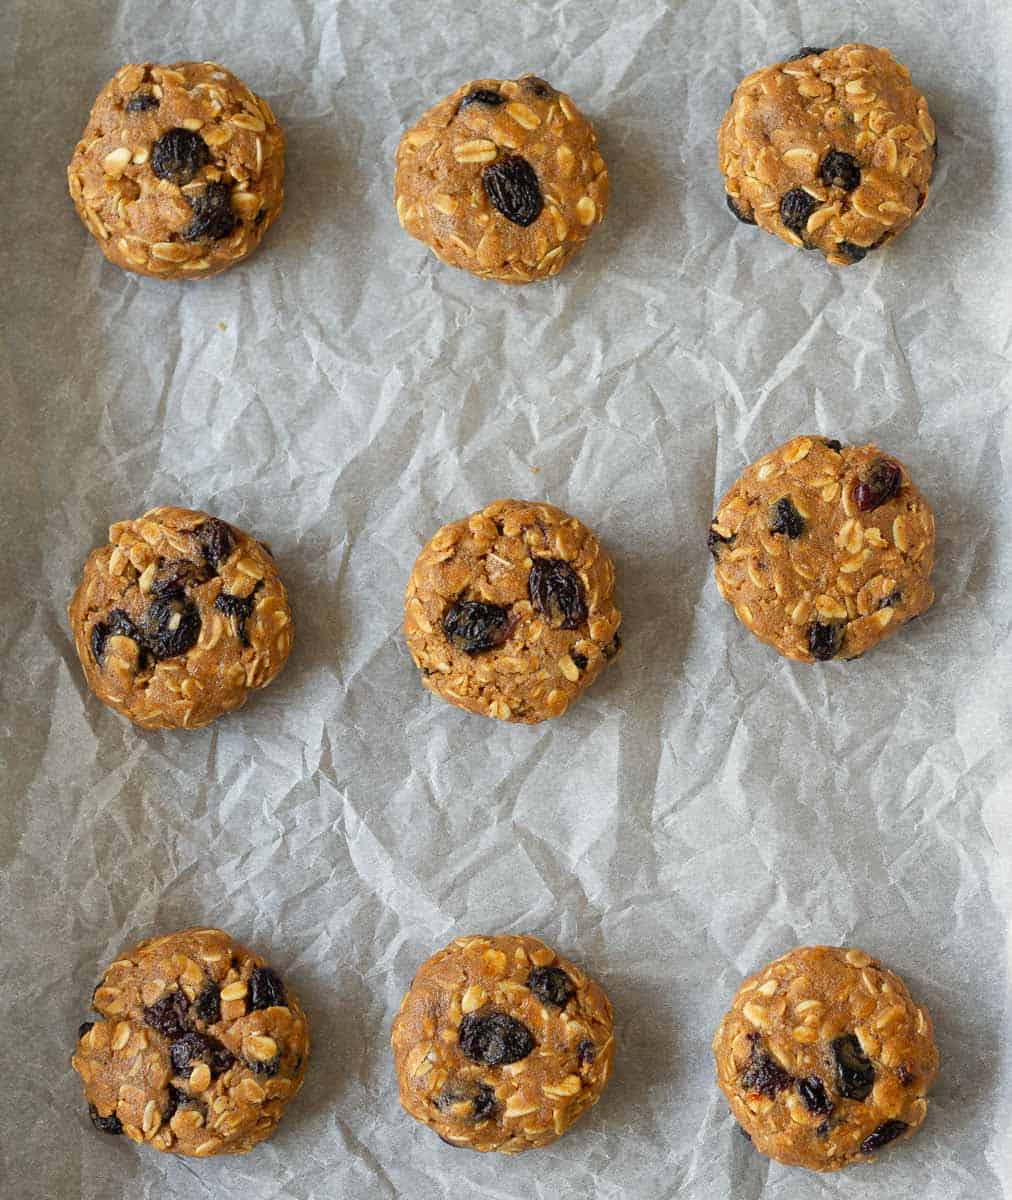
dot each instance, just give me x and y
(116, 624)
(853, 252)
(855, 1074)
(482, 96)
(216, 539)
(266, 989)
(474, 626)
(169, 1015)
(484, 1102)
(586, 1052)
(176, 576)
(823, 1129)
(795, 209)
(762, 1074)
(745, 217)
(904, 1074)
(714, 541)
(261, 213)
(887, 1132)
(805, 51)
(171, 626)
(550, 985)
(196, 1047)
(142, 102)
(893, 601)
(824, 641)
(833, 444)
(208, 1004)
(785, 518)
(513, 189)
(813, 1093)
(880, 484)
(177, 1099)
(268, 1069)
(613, 648)
(537, 87)
(109, 1124)
(83, 1028)
(579, 661)
(556, 591)
(744, 1132)
(494, 1038)
(841, 170)
(240, 607)
(213, 217)
(178, 155)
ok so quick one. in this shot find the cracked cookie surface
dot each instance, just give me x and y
(824, 550)
(510, 612)
(831, 150)
(178, 618)
(198, 1048)
(501, 1044)
(503, 179)
(179, 172)
(825, 1058)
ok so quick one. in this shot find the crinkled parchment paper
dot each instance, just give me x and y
(707, 805)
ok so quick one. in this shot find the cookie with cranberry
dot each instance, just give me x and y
(824, 550)
(197, 1049)
(501, 1044)
(503, 178)
(825, 1058)
(179, 172)
(831, 150)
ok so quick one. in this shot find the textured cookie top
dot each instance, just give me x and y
(503, 178)
(178, 617)
(198, 1049)
(824, 1058)
(831, 150)
(179, 171)
(509, 612)
(500, 1044)
(823, 550)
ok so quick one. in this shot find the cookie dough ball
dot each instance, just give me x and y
(178, 617)
(824, 1058)
(198, 1048)
(179, 171)
(831, 150)
(503, 178)
(824, 550)
(509, 612)
(500, 1044)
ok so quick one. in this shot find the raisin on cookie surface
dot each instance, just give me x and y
(179, 171)
(178, 618)
(501, 1044)
(831, 150)
(503, 178)
(824, 550)
(825, 1058)
(510, 612)
(198, 1048)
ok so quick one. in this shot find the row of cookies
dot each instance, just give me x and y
(180, 169)
(823, 550)
(499, 1044)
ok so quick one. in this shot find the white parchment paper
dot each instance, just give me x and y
(706, 805)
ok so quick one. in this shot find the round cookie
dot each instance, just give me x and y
(500, 1044)
(503, 178)
(509, 612)
(178, 617)
(824, 1058)
(824, 550)
(831, 150)
(198, 1048)
(179, 171)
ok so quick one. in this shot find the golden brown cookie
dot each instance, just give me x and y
(178, 618)
(831, 150)
(510, 612)
(824, 1058)
(503, 178)
(198, 1049)
(824, 550)
(500, 1044)
(179, 171)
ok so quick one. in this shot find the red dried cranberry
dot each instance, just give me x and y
(881, 482)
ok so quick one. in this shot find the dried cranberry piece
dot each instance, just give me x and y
(178, 155)
(855, 1074)
(474, 626)
(556, 591)
(762, 1074)
(513, 189)
(482, 96)
(880, 484)
(216, 540)
(814, 1096)
(550, 985)
(266, 989)
(745, 217)
(824, 641)
(208, 1004)
(171, 626)
(795, 209)
(239, 607)
(841, 170)
(213, 217)
(785, 518)
(141, 102)
(493, 1038)
(887, 1132)
(109, 1124)
(169, 1016)
(196, 1047)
